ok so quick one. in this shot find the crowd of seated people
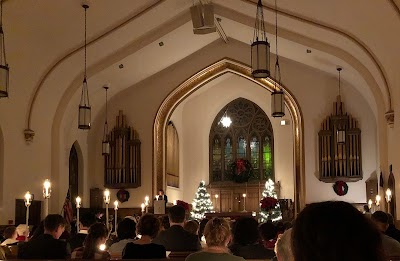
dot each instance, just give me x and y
(325, 231)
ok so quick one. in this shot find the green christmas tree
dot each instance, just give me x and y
(275, 213)
(202, 203)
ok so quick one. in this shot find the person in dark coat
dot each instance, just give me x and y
(176, 238)
(85, 221)
(392, 231)
(47, 245)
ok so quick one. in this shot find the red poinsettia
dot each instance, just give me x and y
(183, 204)
(268, 203)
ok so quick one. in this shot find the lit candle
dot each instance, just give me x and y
(46, 189)
(156, 197)
(216, 196)
(143, 206)
(102, 247)
(28, 200)
(146, 200)
(370, 203)
(115, 218)
(78, 206)
(388, 195)
(107, 201)
(377, 200)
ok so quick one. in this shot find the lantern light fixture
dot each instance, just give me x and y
(4, 68)
(84, 116)
(277, 96)
(105, 143)
(260, 47)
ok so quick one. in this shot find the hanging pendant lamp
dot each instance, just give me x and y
(106, 144)
(260, 48)
(340, 128)
(84, 116)
(277, 96)
(4, 69)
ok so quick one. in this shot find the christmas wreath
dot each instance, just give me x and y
(340, 188)
(123, 195)
(268, 203)
(241, 170)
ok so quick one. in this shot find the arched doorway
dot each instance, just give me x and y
(196, 82)
(73, 172)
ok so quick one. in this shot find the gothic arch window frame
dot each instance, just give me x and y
(248, 120)
(172, 179)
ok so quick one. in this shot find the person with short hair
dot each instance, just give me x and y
(47, 245)
(143, 248)
(85, 221)
(268, 233)
(176, 238)
(392, 231)
(97, 236)
(162, 196)
(126, 232)
(335, 231)
(283, 246)
(192, 226)
(390, 245)
(218, 235)
(246, 240)
(10, 235)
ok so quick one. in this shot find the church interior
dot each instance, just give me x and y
(141, 96)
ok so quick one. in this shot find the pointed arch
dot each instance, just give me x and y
(198, 80)
(75, 170)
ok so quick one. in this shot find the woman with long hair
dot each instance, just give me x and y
(97, 236)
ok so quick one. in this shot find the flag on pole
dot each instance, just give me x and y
(67, 208)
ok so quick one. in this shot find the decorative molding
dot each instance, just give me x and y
(198, 80)
(29, 134)
(390, 118)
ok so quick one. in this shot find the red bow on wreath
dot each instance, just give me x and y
(240, 166)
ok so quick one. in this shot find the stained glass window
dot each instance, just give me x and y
(267, 158)
(216, 160)
(249, 137)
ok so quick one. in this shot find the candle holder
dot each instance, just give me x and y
(78, 206)
(377, 201)
(115, 218)
(388, 198)
(107, 202)
(46, 196)
(146, 203)
(27, 200)
(216, 202)
(244, 202)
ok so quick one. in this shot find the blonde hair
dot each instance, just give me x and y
(283, 247)
(217, 232)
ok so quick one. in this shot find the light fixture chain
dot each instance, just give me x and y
(277, 66)
(339, 82)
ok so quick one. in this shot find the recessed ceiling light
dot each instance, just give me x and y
(161, 44)
(285, 122)
(121, 66)
(308, 50)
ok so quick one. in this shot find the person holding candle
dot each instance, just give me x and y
(93, 245)
(85, 221)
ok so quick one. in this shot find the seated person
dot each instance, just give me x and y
(10, 235)
(268, 233)
(192, 226)
(283, 247)
(126, 232)
(23, 232)
(143, 248)
(335, 231)
(246, 240)
(218, 235)
(85, 221)
(97, 236)
(391, 246)
(48, 245)
(176, 238)
(392, 231)
(164, 220)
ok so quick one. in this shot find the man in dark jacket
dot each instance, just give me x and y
(48, 245)
(176, 238)
(392, 231)
(85, 221)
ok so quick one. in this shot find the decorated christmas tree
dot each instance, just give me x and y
(270, 209)
(202, 203)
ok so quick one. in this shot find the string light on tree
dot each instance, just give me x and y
(275, 213)
(202, 203)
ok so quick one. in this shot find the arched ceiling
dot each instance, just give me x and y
(44, 44)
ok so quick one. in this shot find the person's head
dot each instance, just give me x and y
(86, 220)
(23, 230)
(10, 233)
(126, 229)
(164, 221)
(96, 236)
(246, 231)
(335, 230)
(148, 225)
(283, 247)
(176, 215)
(160, 192)
(217, 232)
(54, 225)
(192, 226)
(203, 224)
(267, 231)
(366, 208)
(381, 220)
